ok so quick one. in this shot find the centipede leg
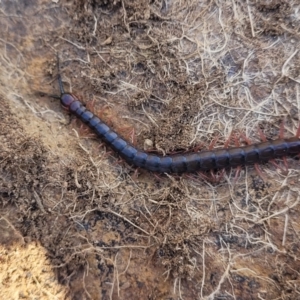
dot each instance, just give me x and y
(276, 165)
(133, 136)
(90, 105)
(157, 176)
(281, 130)
(298, 132)
(227, 142)
(285, 162)
(135, 174)
(237, 139)
(130, 133)
(233, 137)
(262, 135)
(256, 165)
(198, 147)
(245, 138)
(204, 176)
(212, 143)
(85, 131)
(272, 161)
(211, 177)
(259, 172)
(218, 176)
(237, 173)
(248, 142)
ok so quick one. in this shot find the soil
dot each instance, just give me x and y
(77, 222)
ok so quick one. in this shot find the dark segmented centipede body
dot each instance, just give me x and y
(186, 162)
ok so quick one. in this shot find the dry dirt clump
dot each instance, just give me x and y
(78, 223)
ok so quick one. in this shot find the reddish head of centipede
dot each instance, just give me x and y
(67, 100)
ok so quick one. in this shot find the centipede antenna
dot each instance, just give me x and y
(54, 96)
(42, 94)
(59, 76)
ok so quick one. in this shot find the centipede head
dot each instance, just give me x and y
(66, 100)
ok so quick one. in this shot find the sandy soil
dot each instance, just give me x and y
(78, 223)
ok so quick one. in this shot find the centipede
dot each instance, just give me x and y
(190, 162)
